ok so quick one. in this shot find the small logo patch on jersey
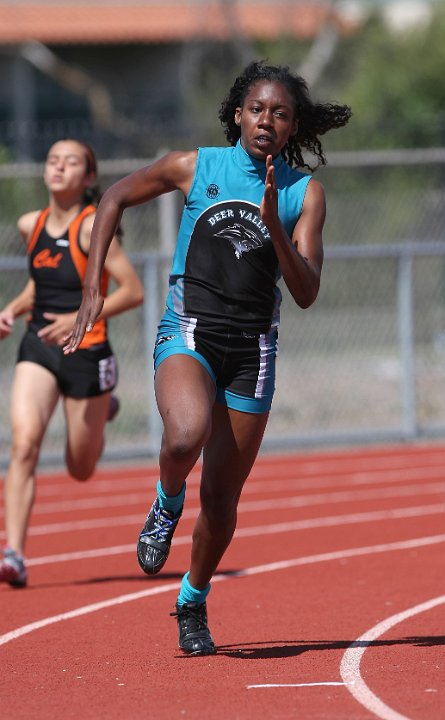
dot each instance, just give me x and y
(164, 338)
(212, 191)
(63, 242)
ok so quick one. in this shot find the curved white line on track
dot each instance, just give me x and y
(350, 664)
(85, 610)
(256, 570)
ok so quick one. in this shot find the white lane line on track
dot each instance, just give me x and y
(328, 467)
(350, 664)
(343, 496)
(181, 540)
(331, 520)
(262, 476)
(293, 685)
(403, 455)
(336, 496)
(256, 570)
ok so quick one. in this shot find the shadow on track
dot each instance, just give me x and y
(288, 648)
(139, 577)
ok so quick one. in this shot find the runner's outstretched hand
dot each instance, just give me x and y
(269, 203)
(57, 329)
(6, 323)
(89, 311)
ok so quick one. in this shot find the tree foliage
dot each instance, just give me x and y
(394, 84)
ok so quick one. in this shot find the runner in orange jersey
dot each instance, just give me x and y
(58, 240)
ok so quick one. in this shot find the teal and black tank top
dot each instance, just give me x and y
(225, 269)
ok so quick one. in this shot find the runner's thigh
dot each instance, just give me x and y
(34, 397)
(85, 422)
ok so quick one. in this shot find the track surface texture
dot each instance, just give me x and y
(329, 604)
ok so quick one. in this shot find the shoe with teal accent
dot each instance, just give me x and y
(194, 634)
(155, 539)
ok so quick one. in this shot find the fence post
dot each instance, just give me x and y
(151, 292)
(168, 223)
(406, 342)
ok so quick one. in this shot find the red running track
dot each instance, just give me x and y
(329, 602)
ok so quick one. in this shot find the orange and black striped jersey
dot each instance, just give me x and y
(58, 267)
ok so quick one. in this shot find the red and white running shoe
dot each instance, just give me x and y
(13, 569)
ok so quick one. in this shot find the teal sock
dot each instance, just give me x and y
(188, 593)
(172, 503)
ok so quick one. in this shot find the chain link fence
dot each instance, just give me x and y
(365, 363)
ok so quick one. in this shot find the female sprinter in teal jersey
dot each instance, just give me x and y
(250, 217)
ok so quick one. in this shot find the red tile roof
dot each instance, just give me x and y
(99, 21)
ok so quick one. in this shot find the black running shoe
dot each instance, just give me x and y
(194, 634)
(155, 539)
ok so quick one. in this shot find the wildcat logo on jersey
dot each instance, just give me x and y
(44, 259)
(241, 238)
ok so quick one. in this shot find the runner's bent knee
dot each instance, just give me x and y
(25, 449)
(80, 470)
(81, 461)
(181, 441)
(219, 505)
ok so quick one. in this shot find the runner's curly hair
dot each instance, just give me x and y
(314, 119)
